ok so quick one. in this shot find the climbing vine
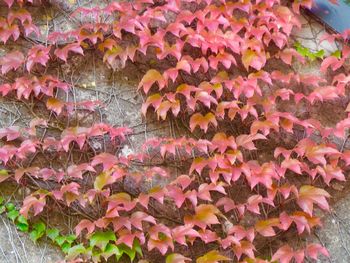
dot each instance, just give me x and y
(249, 172)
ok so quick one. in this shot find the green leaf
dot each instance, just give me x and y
(75, 251)
(127, 250)
(306, 52)
(2, 200)
(60, 240)
(137, 247)
(111, 250)
(12, 215)
(22, 224)
(52, 233)
(65, 247)
(336, 54)
(38, 231)
(101, 239)
(39, 226)
(71, 238)
(35, 235)
(10, 206)
(2, 209)
(319, 54)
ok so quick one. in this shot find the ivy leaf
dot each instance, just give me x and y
(55, 105)
(336, 54)
(84, 224)
(205, 215)
(131, 252)
(265, 227)
(285, 254)
(11, 61)
(106, 159)
(2, 209)
(312, 250)
(202, 121)
(212, 257)
(38, 205)
(101, 239)
(3, 175)
(176, 258)
(22, 224)
(111, 250)
(52, 233)
(65, 247)
(60, 240)
(38, 54)
(75, 251)
(63, 52)
(9, 2)
(310, 195)
(12, 215)
(150, 78)
(10, 206)
(70, 238)
(103, 179)
(251, 59)
(38, 231)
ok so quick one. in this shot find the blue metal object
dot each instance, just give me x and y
(336, 16)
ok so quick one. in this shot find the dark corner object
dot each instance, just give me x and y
(335, 16)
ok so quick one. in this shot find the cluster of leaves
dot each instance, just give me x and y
(212, 65)
(36, 230)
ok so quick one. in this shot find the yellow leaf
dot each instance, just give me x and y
(212, 257)
(247, 57)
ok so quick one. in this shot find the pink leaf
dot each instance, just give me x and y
(11, 61)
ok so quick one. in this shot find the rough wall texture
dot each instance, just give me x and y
(93, 80)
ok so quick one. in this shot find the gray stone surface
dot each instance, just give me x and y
(16, 247)
(335, 234)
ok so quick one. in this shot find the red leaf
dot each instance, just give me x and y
(291, 164)
(222, 142)
(160, 238)
(309, 195)
(313, 250)
(11, 61)
(246, 140)
(180, 233)
(63, 52)
(38, 54)
(8, 30)
(137, 218)
(251, 59)
(9, 2)
(204, 215)
(106, 159)
(11, 133)
(31, 201)
(84, 224)
(285, 254)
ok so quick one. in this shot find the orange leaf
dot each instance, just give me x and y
(202, 121)
(55, 105)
